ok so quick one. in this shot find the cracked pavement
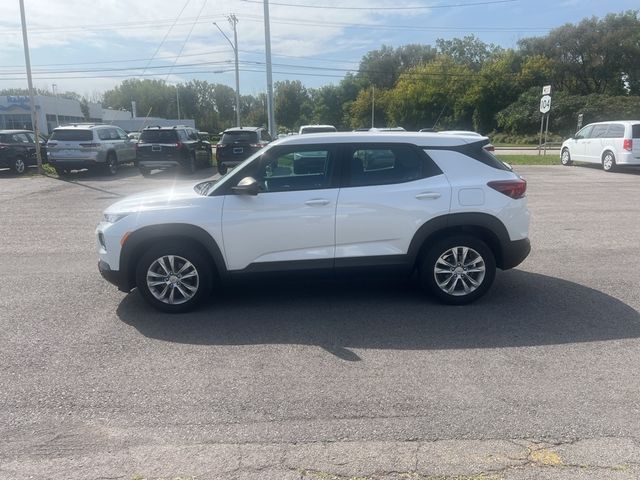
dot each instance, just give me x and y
(323, 380)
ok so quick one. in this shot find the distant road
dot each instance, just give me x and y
(525, 151)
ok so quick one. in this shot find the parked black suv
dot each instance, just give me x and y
(18, 150)
(167, 147)
(238, 144)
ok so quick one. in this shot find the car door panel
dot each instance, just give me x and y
(380, 220)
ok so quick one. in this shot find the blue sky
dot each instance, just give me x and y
(89, 47)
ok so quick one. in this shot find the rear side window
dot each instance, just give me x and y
(158, 136)
(615, 131)
(377, 165)
(477, 152)
(75, 135)
(635, 131)
(239, 136)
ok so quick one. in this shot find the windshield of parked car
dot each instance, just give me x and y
(70, 135)
(158, 136)
(239, 136)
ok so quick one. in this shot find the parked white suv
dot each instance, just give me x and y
(609, 144)
(88, 145)
(438, 204)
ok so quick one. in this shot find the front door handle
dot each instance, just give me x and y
(317, 202)
(428, 196)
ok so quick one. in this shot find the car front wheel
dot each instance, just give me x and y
(458, 270)
(174, 277)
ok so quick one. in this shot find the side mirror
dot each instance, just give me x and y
(247, 186)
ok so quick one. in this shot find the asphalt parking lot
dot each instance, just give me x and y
(539, 379)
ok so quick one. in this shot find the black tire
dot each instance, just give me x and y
(145, 171)
(609, 161)
(222, 169)
(19, 166)
(62, 172)
(146, 267)
(460, 276)
(111, 164)
(565, 158)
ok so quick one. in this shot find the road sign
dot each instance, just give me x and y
(545, 104)
(580, 118)
(546, 90)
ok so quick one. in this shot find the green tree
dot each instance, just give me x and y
(292, 104)
(470, 50)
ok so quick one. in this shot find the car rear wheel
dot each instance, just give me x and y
(608, 162)
(61, 171)
(145, 171)
(111, 165)
(565, 158)
(191, 165)
(458, 270)
(18, 166)
(222, 169)
(174, 277)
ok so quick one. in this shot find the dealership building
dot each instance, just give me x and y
(15, 113)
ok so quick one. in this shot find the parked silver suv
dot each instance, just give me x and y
(89, 145)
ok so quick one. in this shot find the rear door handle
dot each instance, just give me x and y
(428, 196)
(317, 202)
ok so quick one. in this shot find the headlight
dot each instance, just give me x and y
(114, 217)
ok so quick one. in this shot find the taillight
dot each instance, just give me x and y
(511, 188)
(179, 145)
(52, 144)
(257, 145)
(221, 145)
(627, 144)
(90, 145)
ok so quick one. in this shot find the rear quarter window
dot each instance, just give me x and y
(72, 135)
(475, 151)
(615, 131)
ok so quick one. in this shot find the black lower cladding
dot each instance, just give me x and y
(514, 253)
(114, 277)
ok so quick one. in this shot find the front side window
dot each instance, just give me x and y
(584, 133)
(103, 134)
(296, 168)
(122, 134)
(384, 165)
(20, 138)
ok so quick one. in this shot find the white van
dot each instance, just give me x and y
(607, 143)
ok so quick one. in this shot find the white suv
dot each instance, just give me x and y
(437, 204)
(609, 144)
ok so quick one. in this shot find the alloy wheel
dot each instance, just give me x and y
(172, 279)
(459, 271)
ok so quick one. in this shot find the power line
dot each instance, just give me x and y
(415, 7)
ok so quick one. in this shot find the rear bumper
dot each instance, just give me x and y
(114, 277)
(75, 162)
(514, 253)
(158, 163)
(628, 158)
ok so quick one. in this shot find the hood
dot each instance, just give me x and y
(156, 200)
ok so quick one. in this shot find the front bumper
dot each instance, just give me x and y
(514, 253)
(114, 277)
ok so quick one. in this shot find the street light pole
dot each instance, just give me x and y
(233, 20)
(267, 43)
(34, 113)
(178, 100)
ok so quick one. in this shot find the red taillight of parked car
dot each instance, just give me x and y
(627, 144)
(511, 188)
(221, 145)
(90, 145)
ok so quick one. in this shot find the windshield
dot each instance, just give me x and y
(215, 185)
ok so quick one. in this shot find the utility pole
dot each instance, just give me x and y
(34, 113)
(233, 20)
(267, 42)
(373, 104)
(54, 87)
